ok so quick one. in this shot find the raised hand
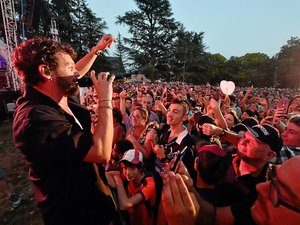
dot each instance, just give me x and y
(208, 129)
(103, 86)
(105, 42)
(180, 206)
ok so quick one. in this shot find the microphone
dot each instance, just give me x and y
(86, 81)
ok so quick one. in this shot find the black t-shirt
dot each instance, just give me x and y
(211, 195)
(54, 146)
(176, 145)
(241, 194)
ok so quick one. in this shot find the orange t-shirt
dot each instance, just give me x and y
(143, 214)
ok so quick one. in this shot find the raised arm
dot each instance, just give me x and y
(86, 62)
(243, 102)
(123, 95)
(100, 151)
(219, 118)
(210, 129)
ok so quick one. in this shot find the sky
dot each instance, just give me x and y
(231, 27)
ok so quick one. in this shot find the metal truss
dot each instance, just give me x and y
(10, 28)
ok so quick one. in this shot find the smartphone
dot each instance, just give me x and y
(86, 81)
(177, 158)
(283, 103)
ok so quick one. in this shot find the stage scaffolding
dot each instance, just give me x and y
(10, 29)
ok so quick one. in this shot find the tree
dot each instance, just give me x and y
(234, 71)
(42, 20)
(215, 68)
(153, 31)
(254, 66)
(122, 53)
(188, 56)
(77, 24)
(40, 24)
(289, 64)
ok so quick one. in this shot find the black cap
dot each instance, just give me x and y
(250, 122)
(268, 135)
(240, 127)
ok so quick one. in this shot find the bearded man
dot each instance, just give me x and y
(54, 133)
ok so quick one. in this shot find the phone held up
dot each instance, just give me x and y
(283, 103)
(174, 164)
(86, 81)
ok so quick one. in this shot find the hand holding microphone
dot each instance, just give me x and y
(103, 85)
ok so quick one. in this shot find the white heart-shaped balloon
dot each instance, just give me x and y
(227, 87)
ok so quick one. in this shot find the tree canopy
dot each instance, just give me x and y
(160, 46)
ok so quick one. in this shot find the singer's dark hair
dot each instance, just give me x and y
(31, 53)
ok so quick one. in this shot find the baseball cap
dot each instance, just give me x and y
(239, 127)
(214, 149)
(250, 122)
(133, 156)
(213, 163)
(268, 135)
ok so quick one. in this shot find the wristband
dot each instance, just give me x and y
(105, 107)
(97, 52)
(105, 100)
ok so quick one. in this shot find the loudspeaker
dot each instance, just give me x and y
(29, 6)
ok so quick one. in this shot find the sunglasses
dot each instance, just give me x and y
(275, 194)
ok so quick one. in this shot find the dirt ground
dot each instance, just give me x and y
(12, 162)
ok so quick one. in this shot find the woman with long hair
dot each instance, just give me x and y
(142, 135)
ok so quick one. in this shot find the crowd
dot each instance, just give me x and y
(231, 141)
(159, 153)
